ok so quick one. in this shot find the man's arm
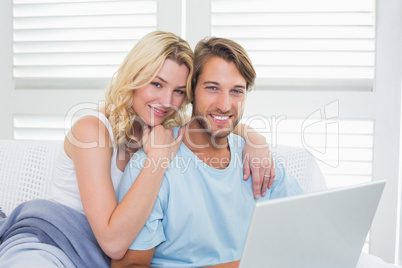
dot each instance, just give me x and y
(135, 258)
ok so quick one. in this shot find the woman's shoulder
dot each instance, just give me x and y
(88, 132)
(90, 127)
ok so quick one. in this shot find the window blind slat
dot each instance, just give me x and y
(18, 2)
(306, 44)
(351, 127)
(68, 59)
(84, 8)
(74, 46)
(81, 34)
(39, 134)
(296, 19)
(64, 71)
(106, 21)
(315, 73)
(32, 121)
(313, 58)
(257, 6)
(323, 32)
(59, 83)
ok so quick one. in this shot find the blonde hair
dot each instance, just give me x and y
(138, 69)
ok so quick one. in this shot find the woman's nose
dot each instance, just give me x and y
(166, 97)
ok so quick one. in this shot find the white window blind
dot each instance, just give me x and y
(345, 153)
(39, 127)
(70, 44)
(309, 44)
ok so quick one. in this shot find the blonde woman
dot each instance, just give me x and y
(148, 92)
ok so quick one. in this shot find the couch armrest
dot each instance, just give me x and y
(25, 170)
(301, 165)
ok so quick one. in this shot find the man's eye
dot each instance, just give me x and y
(237, 91)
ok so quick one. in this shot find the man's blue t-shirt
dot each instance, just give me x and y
(201, 215)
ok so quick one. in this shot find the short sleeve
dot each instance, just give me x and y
(284, 184)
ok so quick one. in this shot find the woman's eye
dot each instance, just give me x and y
(179, 91)
(156, 84)
(212, 88)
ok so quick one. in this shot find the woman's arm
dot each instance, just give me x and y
(115, 225)
(134, 258)
(257, 159)
(233, 264)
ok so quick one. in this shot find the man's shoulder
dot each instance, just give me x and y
(137, 159)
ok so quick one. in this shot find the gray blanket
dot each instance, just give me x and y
(48, 232)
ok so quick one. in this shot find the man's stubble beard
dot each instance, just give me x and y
(203, 122)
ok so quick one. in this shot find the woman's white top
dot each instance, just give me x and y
(64, 186)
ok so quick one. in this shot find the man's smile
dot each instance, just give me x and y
(221, 119)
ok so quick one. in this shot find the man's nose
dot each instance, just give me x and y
(224, 102)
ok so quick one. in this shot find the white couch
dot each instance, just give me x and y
(26, 168)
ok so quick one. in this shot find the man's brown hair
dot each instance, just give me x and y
(226, 49)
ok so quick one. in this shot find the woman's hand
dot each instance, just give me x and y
(258, 161)
(160, 142)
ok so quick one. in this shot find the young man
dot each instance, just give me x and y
(204, 206)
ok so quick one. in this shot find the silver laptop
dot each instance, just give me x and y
(316, 230)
